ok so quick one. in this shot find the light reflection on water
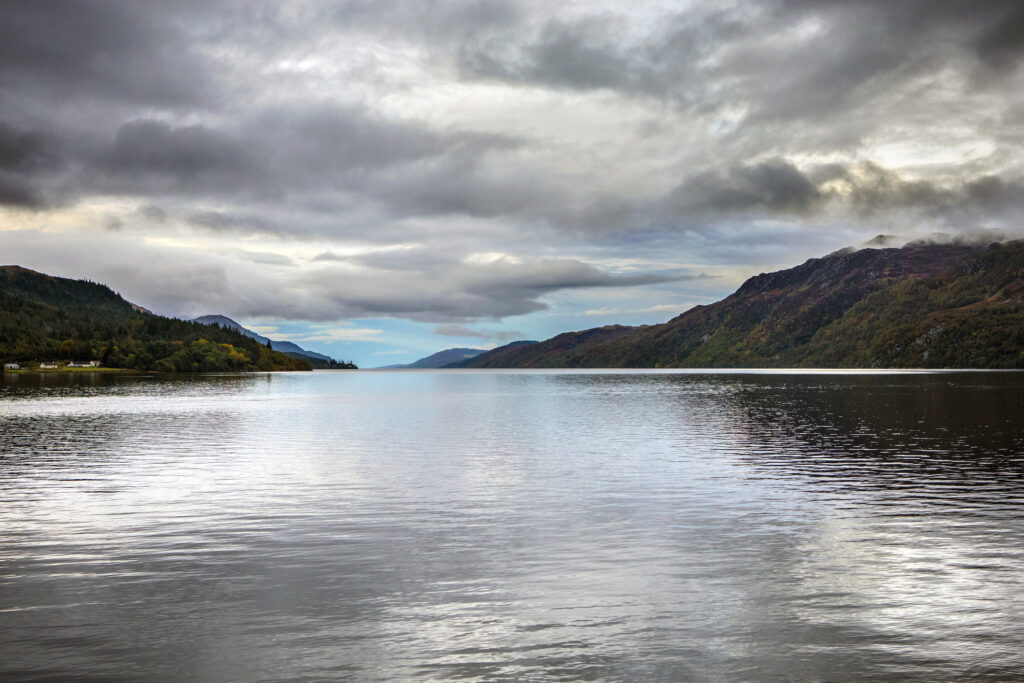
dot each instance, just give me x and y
(512, 525)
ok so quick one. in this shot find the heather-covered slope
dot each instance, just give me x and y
(920, 306)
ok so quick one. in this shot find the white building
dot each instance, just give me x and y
(12, 366)
(48, 365)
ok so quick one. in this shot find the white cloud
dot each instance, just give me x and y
(341, 334)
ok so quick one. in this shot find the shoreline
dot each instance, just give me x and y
(66, 370)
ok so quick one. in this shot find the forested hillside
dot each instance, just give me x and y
(46, 318)
(955, 306)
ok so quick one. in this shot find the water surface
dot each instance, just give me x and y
(512, 526)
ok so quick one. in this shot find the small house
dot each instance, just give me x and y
(94, 364)
(12, 366)
(48, 365)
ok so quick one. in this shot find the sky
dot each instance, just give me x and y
(381, 179)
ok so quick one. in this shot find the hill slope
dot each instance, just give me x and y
(291, 349)
(920, 306)
(440, 359)
(54, 318)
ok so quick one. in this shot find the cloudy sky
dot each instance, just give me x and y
(381, 179)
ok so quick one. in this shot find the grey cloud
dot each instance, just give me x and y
(1002, 43)
(27, 158)
(830, 86)
(500, 336)
(435, 286)
(874, 189)
(993, 193)
(219, 221)
(990, 30)
(18, 191)
(436, 21)
(127, 51)
(774, 186)
(328, 256)
(149, 146)
(151, 157)
(523, 127)
(153, 212)
(864, 189)
(26, 151)
(344, 140)
(578, 56)
(270, 158)
(460, 186)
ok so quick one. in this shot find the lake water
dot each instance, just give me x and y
(516, 525)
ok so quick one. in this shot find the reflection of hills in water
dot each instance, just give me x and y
(952, 438)
(956, 436)
(64, 422)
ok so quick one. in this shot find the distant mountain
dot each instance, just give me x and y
(47, 318)
(292, 347)
(501, 357)
(230, 324)
(439, 360)
(317, 360)
(925, 305)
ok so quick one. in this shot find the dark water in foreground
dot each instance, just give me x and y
(513, 526)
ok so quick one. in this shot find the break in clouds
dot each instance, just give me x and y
(457, 162)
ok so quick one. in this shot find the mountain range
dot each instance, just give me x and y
(438, 360)
(317, 360)
(923, 305)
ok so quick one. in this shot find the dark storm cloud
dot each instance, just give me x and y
(26, 151)
(270, 157)
(990, 30)
(162, 157)
(25, 156)
(128, 51)
(17, 191)
(534, 129)
(1002, 43)
(777, 187)
(773, 186)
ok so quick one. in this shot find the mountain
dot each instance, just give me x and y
(445, 357)
(50, 318)
(924, 305)
(438, 360)
(317, 360)
(230, 324)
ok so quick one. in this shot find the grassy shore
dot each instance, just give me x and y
(63, 369)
